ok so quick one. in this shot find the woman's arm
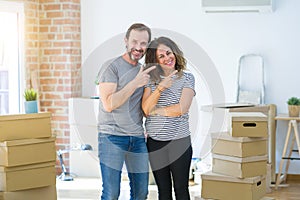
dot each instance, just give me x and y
(149, 100)
(177, 109)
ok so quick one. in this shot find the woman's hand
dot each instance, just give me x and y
(166, 82)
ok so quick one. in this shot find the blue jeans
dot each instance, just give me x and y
(113, 152)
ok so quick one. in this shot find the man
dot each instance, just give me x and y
(121, 134)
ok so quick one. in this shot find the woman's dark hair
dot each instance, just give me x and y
(151, 58)
(139, 27)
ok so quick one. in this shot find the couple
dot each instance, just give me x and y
(162, 92)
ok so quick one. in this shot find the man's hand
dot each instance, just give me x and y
(142, 78)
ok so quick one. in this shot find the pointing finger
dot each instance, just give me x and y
(149, 69)
(141, 69)
(173, 73)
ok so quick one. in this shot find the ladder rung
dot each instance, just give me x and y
(290, 158)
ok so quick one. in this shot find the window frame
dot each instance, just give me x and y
(16, 76)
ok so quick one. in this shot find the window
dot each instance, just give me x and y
(3, 91)
(11, 18)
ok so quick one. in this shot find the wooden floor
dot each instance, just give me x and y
(291, 191)
(89, 189)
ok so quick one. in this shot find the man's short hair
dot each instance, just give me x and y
(139, 27)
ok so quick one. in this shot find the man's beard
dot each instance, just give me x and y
(132, 57)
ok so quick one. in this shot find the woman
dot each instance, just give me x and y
(166, 102)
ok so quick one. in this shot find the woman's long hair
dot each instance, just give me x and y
(151, 59)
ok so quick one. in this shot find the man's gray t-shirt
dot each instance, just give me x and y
(126, 119)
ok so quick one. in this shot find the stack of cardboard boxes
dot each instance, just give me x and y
(27, 157)
(239, 159)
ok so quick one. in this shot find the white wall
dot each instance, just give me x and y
(220, 38)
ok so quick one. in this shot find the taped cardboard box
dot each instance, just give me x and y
(239, 167)
(27, 176)
(27, 151)
(42, 193)
(217, 186)
(224, 144)
(25, 126)
(248, 124)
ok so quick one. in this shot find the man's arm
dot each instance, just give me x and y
(112, 99)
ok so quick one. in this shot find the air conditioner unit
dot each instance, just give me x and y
(223, 6)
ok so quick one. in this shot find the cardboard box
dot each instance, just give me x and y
(27, 176)
(27, 151)
(239, 167)
(224, 144)
(25, 126)
(217, 186)
(248, 124)
(42, 193)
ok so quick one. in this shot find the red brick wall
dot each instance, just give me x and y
(31, 38)
(53, 53)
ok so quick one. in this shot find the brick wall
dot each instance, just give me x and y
(31, 38)
(53, 59)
